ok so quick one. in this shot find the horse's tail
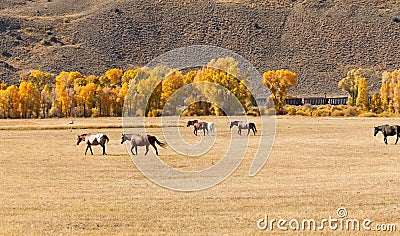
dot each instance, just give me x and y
(158, 142)
(106, 137)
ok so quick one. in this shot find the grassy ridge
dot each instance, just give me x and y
(318, 40)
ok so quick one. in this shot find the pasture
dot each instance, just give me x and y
(317, 165)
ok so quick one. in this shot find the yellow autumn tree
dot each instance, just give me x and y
(64, 88)
(84, 96)
(385, 91)
(29, 101)
(122, 97)
(114, 76)
(117, 102)
(279, 82)
(376, 103)
(390, 91)
(13, 102)
(170, 85)
(349, 84)
(130, 75)
(3, 100)
(39, 79)
(46, 100)
(362, 94)
(151, 90)
(105, 100)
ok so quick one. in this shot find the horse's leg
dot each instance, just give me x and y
(204, 131)
(132, 149)
(154, 146)
(248, 131)
(87, 147)
(385, 139)
(104, 149)
(91, 151)
(136, 149)
(254, 131)
(397, 139)
(239, 131)
(147, 149)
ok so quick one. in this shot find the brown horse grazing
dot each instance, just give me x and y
(142, 140)
(388, 130)
(94, 139)
(198, 126)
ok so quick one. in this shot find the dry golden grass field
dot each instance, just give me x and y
(317, 165)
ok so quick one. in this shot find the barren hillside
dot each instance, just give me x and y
(318, 39)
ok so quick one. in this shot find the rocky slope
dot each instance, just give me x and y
(320, 40)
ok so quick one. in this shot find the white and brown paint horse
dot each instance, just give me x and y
(93, 140)
(142, 140)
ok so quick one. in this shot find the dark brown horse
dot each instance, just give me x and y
(142, 140)
(388, 130)
(93, 139)
(244, 125)
(198, 126)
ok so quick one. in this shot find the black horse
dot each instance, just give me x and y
(388, 130)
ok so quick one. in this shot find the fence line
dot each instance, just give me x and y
(309, 100)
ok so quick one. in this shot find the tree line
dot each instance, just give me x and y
(144, 91)
(387, 100)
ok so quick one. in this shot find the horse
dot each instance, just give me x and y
(142, 140)
(388, 130)
(93, 139)
(244, 125)
(198, 126)
(210, 127)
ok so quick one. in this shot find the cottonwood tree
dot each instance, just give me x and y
(114, 76)
(39, 79)
(376, 103)
(279, 82)
(12, 101)
(390, 90)
(170, 85)
(349, 84)
(362, 95)
(29, 99)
